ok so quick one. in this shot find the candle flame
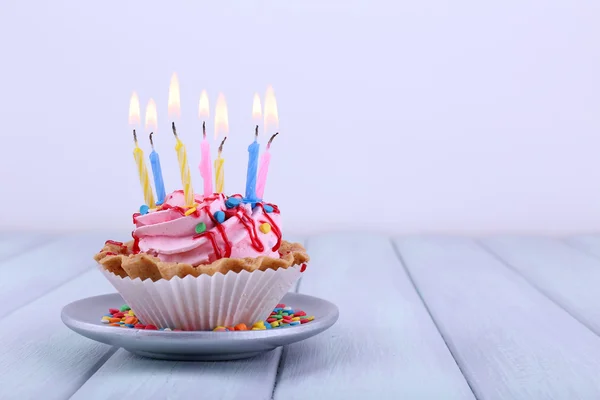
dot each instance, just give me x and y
(134, 109)
(151, 118)
(256, 108)
(203, 109)
(221, 118)
(174, 98)
(271, 114)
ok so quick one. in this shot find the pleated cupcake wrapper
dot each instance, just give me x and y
(205, 302)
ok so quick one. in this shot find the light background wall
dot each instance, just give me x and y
(395, 116)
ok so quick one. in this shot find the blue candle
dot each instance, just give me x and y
(252, 168)
(157, 172)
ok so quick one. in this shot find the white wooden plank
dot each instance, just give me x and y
(567, 275)
(40, 358)
(587, 243)
(126, 375)
(14, 243)
(32, 274)
(384, 346)
(510, 340)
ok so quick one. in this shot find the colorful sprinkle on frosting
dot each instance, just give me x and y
(201, 227)
(219, 216)
(242, 237)
(265, 228)
(190, 211)
(232, 202)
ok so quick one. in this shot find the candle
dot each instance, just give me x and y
(252, 167)
(151, 125)
(221, 127)
(184, 169)
(264, 169)
(157, 173)
(205, 165)
(271, 123)
(219, 173)
(138, 155)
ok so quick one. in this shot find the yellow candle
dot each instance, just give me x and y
(219, 179)
(221, 128)
(219, 173)
(184, 169)
(138, 155)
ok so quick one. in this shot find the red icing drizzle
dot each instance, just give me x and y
(196, 214)
(115, 243)
(248, 223)
(251, 228)
(230, 212)
(180, 210)
(275, 208)
(274, 227)
(110, 253)
(211, 236)
(221, 231)
(136, 243)
(244, 219)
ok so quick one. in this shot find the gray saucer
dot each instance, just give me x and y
(83, 316)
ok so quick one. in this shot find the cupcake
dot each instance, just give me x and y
(221, 262)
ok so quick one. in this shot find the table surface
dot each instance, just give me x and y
(429, 317)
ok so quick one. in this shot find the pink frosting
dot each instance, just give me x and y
(171, 236)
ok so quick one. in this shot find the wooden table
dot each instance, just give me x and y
(420, 318)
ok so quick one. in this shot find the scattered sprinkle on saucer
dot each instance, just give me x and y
(282, 316)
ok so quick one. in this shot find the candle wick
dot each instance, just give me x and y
(204, 129)
(256, 133)
(221, 146)
(134, 137)
(271, 140)
(174, 129)
(151, 141)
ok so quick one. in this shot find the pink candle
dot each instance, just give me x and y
(263, 169)
(205, 164)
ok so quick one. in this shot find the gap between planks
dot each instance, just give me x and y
(41, 357)
(399, 255)
(384, 345)
(566, 273)
(509, 339)
(39, 271)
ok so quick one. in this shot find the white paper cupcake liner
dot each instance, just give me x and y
(205, 302)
